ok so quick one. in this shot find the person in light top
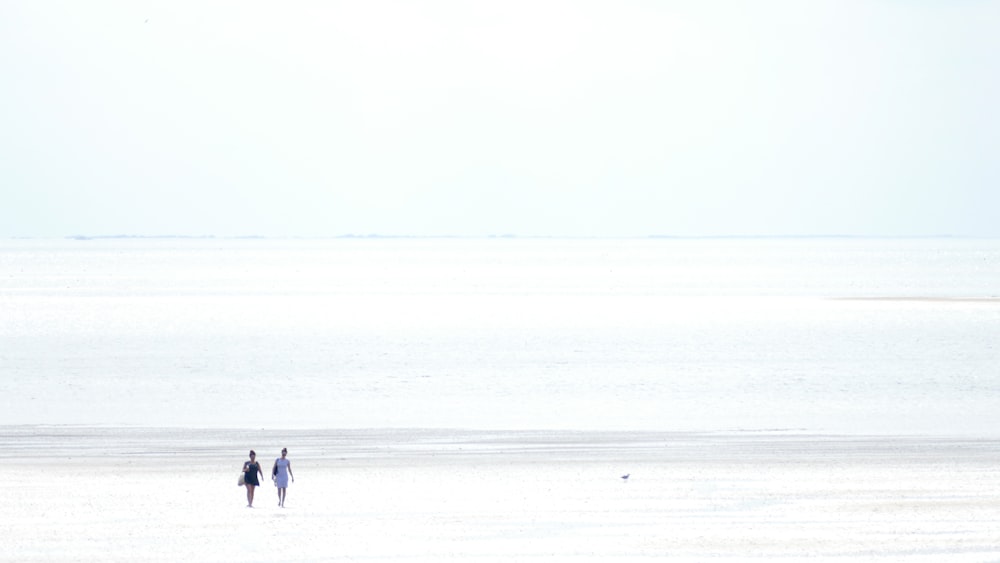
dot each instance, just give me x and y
(280, 473)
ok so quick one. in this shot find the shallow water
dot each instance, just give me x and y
(814, 335)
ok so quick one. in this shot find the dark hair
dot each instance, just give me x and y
(253, 453)
(284, 450)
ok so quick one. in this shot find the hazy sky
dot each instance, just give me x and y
(426, 117)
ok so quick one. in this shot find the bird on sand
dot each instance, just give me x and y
(625, 476)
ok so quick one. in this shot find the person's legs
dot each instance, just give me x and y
(250, 489)
(281, 496)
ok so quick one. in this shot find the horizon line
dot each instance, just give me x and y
(374, 236)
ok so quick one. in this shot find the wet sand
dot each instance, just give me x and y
(133, 494)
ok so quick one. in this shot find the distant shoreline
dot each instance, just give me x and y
(927, 299)
(375, 236)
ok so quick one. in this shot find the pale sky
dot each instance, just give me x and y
(535, 118)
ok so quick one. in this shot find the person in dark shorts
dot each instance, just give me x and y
(250, 470)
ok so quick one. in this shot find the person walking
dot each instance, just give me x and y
(280, 473)
(250, 471)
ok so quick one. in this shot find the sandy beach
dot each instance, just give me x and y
(134, 494)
